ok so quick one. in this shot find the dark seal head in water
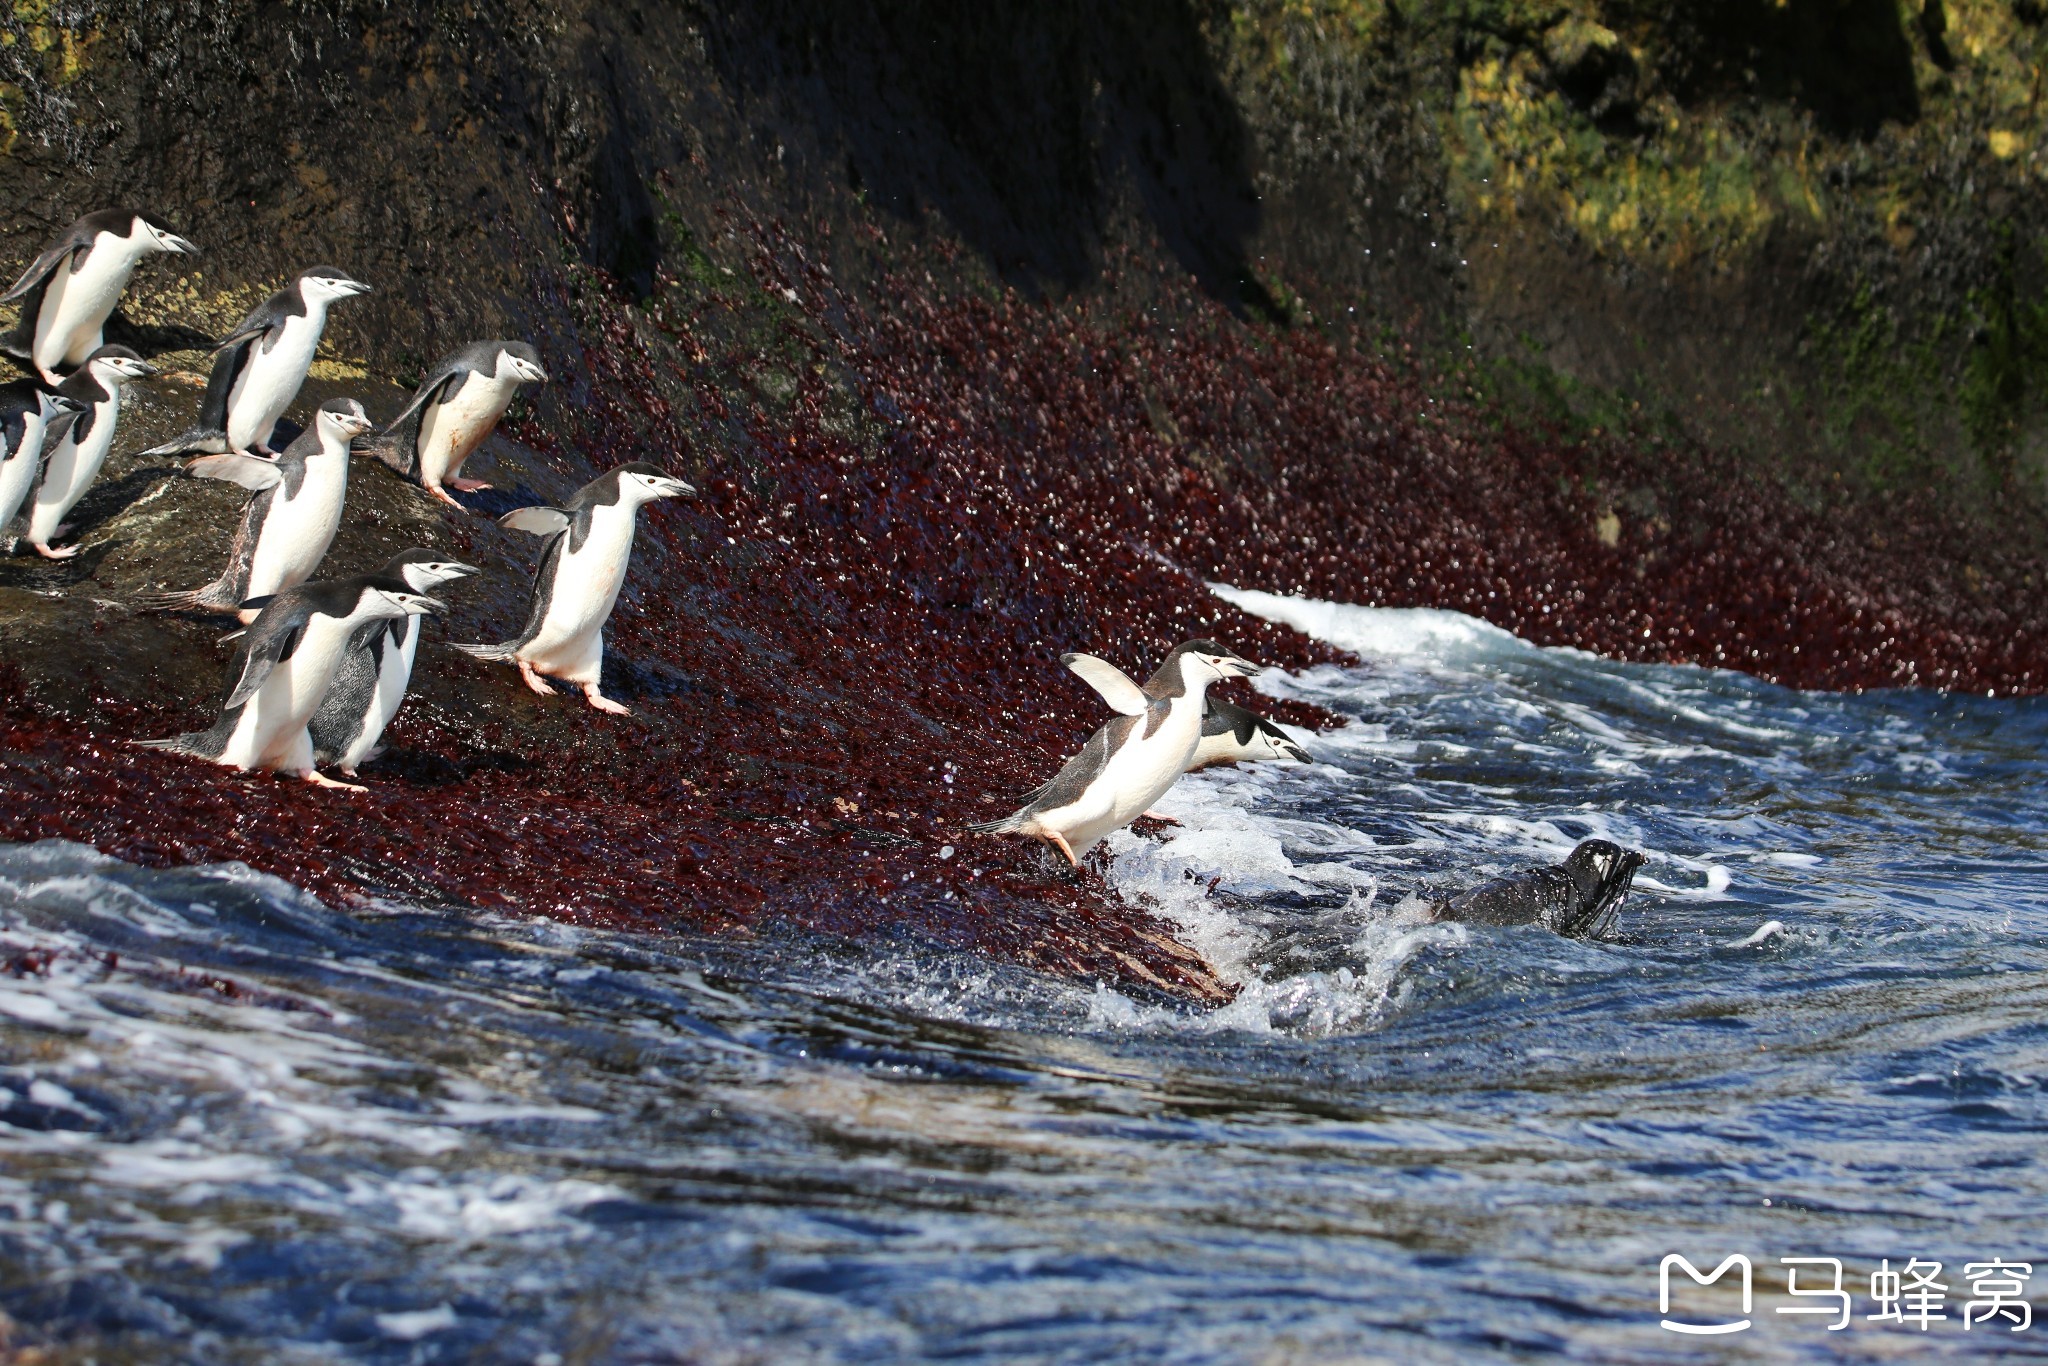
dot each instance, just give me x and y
(1578, 898)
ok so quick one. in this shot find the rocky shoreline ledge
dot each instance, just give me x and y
(945, 429)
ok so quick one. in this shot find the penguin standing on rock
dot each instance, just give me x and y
(82, 443)
(582, 566)
(1231, 734)
(457, 406)
(70, 291)
(1133, 760)
(370, 685)
(27, 412)
(292, 514)
(259, 367)
(283, 669)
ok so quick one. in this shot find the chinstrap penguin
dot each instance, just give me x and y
(457, 406)
(283, 667)
(70, 291)
(1231, 734)
(259, 367)
(582, 566)
(1578, 898)
(1133, 760)
(27, 412)
(292, 514)
(81, 443)
(369, 687)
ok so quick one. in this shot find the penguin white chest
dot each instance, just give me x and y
(271, 379)
(1141, 772)
(1137, 775)
(76, 306)
(72, 468)
(394, 673)
(271, 733)
(585, 587)
(450, 432)
(299, 527)
(18, 470)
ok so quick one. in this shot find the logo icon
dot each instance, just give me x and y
(1734, 1259)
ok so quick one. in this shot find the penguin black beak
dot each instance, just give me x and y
(173, 242)
(1294, 752)
(1234, 667)
(461, 568)
(676, 488)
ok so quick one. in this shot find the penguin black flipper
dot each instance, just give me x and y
(76, 238)
(1071, 781)
(1578, 898)
(227, 593)
(399, 443)
(555, 524)
(270, 640)
(35, 282)
(230, 358)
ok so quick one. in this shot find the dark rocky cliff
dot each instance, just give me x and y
(1624, 327)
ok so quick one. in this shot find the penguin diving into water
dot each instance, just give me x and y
(1130, 762)
(70, 291)
(457, 406)
(1232, 734)
(82, 443)
(582, 567)
(1578, 898)
(283, 668)
(292, 514)
(258, 367)
(369, 686)
(27, 412)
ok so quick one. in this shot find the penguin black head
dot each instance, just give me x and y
(322, 284)
(646, 482)
(158, 235)
(420, 568)
(517, 360)
(1218, 661)
(1283, 747)
(119, 364)
(344, 418)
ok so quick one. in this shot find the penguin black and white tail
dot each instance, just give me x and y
(198, 441)
(498, 653)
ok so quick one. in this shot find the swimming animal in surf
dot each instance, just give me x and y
(582, 566)
(1578, 898)
(68, 293)
(259, 367)
(456, 407)
(1135, 758)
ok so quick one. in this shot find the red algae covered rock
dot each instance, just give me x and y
(845, 650)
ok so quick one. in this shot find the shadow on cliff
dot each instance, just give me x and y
(1015, 128)
(1849, 61)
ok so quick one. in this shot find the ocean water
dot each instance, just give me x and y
(238, 1126)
